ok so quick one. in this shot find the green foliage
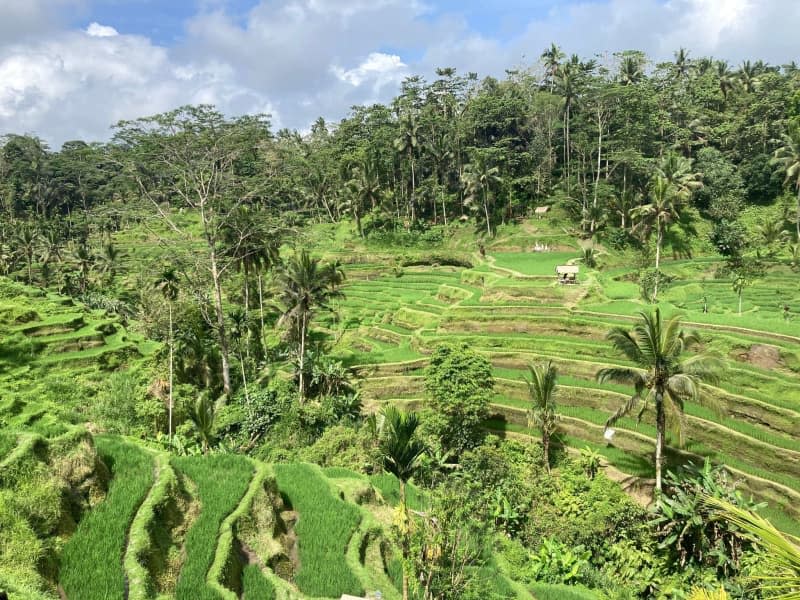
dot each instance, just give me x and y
(684, 523)
(91, 562)
(255, 585)
(218, 497)
(459, 382)
(324, 528)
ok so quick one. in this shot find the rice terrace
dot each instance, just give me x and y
(532, 333)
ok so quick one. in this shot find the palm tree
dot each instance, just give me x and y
(748, 76)
(682, 63)
(240, 331)
(740, 281)
(28, 238)
(661, 211)
(167, 284)
(365, 188)
(109, 260)
(542, 389)
(85, 260)
(678, 172)
(203, 414)
(787, 157)
(552, 57)
(726, 79)
(402, 451)
(661, 375)
(305, 286)
(479, 178)
(630, 70)
(781, 578)
(406, 143)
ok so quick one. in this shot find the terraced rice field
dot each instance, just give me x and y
(510, 307)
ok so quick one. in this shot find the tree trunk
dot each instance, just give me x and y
(171, 371)
(301, 383)
(659, 240)
(546, 451)
(261, 302)
(660, 428)
(220, 317)
(740, 301)
(486, 211)
(798, 213)
(405, 537)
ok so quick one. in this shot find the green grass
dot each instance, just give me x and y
(91, 565)
(255, 585)
(324, 529)
(532, 263)
(546, 591)
(221, 480)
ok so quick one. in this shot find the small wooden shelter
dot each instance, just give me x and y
(567, 273)
(539, 211)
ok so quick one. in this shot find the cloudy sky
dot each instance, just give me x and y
(71, 68)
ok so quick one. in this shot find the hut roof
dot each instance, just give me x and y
(567, 269)
(540, 210)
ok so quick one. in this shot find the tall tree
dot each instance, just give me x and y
(542, 390)
(167, 284)
(197, 159)
(480, 179)
(305, 286)
(659, 213)
(662, 376)
(402, 451)
(787, 157)
(406, 144)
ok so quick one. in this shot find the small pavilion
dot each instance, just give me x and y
(567, 273)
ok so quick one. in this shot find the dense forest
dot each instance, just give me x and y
(222, 294)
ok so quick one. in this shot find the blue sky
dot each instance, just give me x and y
(71, 68)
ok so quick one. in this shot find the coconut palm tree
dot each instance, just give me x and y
(203, 414)
(480, 178)
(240, 331)
(662, 375)
(109, 259)
(748, 76)
(542, 414)
(365, 188)
(726, 78)
(787, 158)
(86, 260)
(401, 450)
(678, 172)
(552, 57)
(167, 284)
(27, 239)
(659, 213)
(305, 286)
(407, 143)
(630, 70)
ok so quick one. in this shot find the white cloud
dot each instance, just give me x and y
(378, 67)
(299, 59)
(97, 30)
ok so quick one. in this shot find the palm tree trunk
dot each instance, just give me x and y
(546, 450)
(405, 536)
(261, 302)
(660, 428)
(301, 383)
(659, 241)
(740, 301)
(244, 376)
(171, 369)
(797, 223)
(486, 211)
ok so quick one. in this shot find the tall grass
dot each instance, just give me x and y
(255, 585)
(324, 528)
(91, 563)
(221, 481)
